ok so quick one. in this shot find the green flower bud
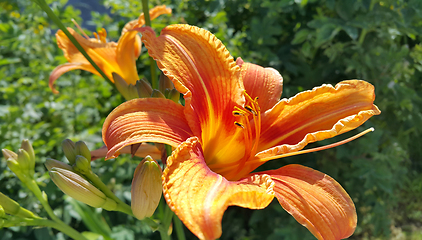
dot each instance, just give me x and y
(157, 94)
(144, 88)
(82, 149)
(24, 160)
(173, 95)
(2, 213)
(14, 167)
(26, 145)
(50, 163)
(68, 147)
(146, 188)
(127, 90)
(9, 154)
(80, 189)
(13, 208)
(82, 164)
(164, 83)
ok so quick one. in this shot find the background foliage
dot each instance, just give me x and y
(310, 42)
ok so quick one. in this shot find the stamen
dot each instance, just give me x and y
(80, 29)
(315, 149)
(239, 125)
(250, 110)
(229, 166)
(237, 113)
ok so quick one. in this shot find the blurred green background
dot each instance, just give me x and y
(310, 42)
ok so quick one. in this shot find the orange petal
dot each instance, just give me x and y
(199, 196)
(315, 200)
(264, 83)
(61, 69)
(125, 57)
(202, 69)
(145, 120)
(316, 115)
(153, 13)
(103, 54)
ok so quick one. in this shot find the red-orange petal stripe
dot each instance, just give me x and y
(202, 69)
(264, 83)
(199, 196)
(145, 120)
(315, 200)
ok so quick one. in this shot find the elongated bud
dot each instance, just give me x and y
(13, 208)
(173, 95)
(127, 90)
(50, 163)
(157, 94)
(144, 88)
(9, 154)
(82, 165)
(80, 189)
(146, 188)
(26, 145)
(24, 160)
(164, 83)
(82, 149)
(69, 150)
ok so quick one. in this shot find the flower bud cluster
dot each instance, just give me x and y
(143, 89)
(23, 162)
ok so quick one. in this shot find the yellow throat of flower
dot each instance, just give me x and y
(248, 121)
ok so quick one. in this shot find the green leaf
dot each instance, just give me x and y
(9, 61)
(301, 36)
(345, 9)
(326, 33)
(351, 31)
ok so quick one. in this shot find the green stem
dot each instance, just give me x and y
(179, 228)
(362, 36)
(33, 186)
(121, 206)
(154, 79)
(44, 6)
(62, 227)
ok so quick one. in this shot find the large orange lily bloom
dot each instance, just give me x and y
(110, 57)
(233, 122)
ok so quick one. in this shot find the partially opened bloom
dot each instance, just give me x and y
(110, 57)
(233, 122)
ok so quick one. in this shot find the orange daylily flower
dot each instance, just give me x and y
(234, 121)
(110, 57)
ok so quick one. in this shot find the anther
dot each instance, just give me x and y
(239, 124)
(251, 110)
(236, 113)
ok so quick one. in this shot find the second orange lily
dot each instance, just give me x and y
(110, 57)
(233, 122)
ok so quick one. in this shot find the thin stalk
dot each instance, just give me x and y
(154, 79)
(33, 186)
(44, 6)
(62, 227)
(121, 206)
(179, 228)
